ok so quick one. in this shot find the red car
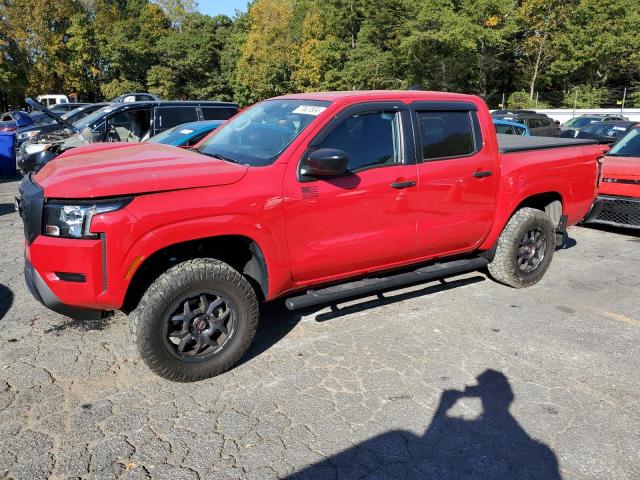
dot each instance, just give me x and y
(312, 197)
(618, 202)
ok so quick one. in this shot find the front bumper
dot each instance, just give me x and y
(41, 292)
(615, 211)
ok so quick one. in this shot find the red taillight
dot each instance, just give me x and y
(8, 129)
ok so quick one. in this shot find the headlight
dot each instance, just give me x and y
(32, 148)
(28, 135)
(74, 220)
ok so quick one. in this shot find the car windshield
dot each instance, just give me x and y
(71, 114)
(258, 135)
(627, 146)
(173, 135)
(579, 122)
(607, 129)
(89, 120)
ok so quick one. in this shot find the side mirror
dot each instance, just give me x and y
(325, 162)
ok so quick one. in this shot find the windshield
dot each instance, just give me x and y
(89, 120)
(627, 146)
(579, 122)
(607, 129)
(257, 136)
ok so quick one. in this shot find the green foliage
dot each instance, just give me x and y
(520, 99)
(102, 48)
(585, 96)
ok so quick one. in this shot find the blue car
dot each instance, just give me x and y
(187, 134)
(510, 128)
(10, 121)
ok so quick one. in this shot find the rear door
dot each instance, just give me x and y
(365, 219)
(458, 178)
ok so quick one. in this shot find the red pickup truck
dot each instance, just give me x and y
(312, 197)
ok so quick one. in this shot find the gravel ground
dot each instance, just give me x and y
(467, 379)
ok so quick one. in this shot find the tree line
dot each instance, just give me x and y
(583, 49)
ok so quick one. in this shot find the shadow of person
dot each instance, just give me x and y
(491, 446)
(6, 300)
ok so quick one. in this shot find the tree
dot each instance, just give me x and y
(541, 21)
(189, 60)
(83, 69)
(585, 96)
(178, 10)
(268, 55)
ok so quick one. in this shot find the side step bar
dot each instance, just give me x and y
(371, 285)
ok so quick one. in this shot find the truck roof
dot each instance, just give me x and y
(372, 94)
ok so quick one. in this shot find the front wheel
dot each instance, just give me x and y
(195, 321)
(525, 249)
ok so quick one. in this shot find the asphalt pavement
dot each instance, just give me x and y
(461, 379)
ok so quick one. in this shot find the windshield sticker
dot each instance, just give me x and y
(309, 110)
(186, 131)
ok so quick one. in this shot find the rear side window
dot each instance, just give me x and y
(218, 113)
(446, 134)
(171, 116)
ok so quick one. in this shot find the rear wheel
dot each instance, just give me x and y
(195, 321)
(525, 249)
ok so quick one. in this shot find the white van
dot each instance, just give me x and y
(50, 99)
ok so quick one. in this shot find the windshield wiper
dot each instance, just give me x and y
(218, 156)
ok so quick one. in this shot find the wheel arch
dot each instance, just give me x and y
(239, 251)
(551, 202)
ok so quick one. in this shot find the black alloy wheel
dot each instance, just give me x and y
(200, 326)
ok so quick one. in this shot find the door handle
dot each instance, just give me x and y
(483, 173)
(407, 184)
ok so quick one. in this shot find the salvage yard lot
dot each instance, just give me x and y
(351, 392)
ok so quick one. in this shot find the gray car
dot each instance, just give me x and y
(539, 124)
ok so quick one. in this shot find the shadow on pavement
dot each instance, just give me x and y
(491, 446)
(567, 243)
(6, 300)
(630, 232)
(7, 208)
(276, 321)
(10, 178)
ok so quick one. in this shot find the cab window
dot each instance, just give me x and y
(371, 139)
(446, 134)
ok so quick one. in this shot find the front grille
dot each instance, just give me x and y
(30, 204)
(620, 212)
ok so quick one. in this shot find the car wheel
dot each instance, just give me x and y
(195, 321)
(525, 249)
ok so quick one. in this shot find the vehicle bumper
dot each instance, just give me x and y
(41, 292)
(615, 211)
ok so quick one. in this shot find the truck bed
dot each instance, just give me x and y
(518, 143)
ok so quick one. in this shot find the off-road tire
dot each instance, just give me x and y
(146, 321)
(504, 266)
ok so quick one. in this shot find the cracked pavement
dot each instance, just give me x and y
(467, 379)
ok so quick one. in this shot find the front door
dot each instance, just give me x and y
(367, 218)
(458, 178)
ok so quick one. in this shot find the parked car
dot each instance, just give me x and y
(11, 121)
(508, 127)
(577, 123)
(49, 100)
(118, 122)
(618, 202)
(186, 135)
(294, 194)
(539, 124)
(45, 123)
(61, 108)
(136, 97)
(602, 132)
(511, 112)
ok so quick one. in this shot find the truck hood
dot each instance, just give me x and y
(622, 167)
(117, 169)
